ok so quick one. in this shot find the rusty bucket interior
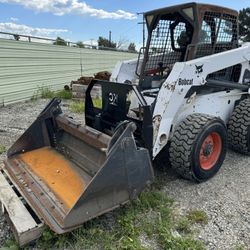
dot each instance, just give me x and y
(55, 170)
(69, 173)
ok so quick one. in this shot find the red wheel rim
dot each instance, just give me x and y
(210, 151)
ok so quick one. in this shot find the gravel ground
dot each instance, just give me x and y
(225, 198)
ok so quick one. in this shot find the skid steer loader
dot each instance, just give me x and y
(187, 96)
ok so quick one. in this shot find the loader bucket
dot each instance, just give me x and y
(69, 173)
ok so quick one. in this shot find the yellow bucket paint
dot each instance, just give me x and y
(56, 172)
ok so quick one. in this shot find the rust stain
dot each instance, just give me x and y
(56, 171)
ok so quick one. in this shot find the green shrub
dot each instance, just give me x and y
(48, 93)
(2, 149)
(77, 107)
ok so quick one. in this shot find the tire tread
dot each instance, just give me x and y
(180, 151)
(238, 125)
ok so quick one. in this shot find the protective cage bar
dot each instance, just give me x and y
(160, 49)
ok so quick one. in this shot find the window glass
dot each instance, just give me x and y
(205, 36)
(225, 31)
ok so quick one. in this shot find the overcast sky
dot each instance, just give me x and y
(78, 20)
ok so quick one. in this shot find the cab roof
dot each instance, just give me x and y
(200, 7)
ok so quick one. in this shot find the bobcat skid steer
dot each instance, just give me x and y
(187, 96)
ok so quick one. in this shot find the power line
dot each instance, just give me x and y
(143, 27)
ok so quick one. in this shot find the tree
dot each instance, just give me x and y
(60, 41)
(244, 24)
(122, 43)
(104, 42)
(80, 44)
(131, 47)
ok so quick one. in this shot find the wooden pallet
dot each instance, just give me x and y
(25, 225)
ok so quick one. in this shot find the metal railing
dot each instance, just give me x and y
(17, 37)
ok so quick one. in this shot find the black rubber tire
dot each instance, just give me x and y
(186, 143)
(239, 128)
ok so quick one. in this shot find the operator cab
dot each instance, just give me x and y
(175, 34)
(181, 33)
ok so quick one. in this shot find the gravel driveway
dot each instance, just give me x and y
(225, 198)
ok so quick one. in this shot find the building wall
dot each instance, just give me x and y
(25, 67)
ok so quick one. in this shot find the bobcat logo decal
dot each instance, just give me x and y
(199, 69)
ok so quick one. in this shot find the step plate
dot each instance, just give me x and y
(24, 224)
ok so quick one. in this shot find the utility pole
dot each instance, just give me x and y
(143, 27)
(110, 39)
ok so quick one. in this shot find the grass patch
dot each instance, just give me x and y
(64, 94)
(10, 244)
(197, 216)
(150, 214)
(184, 225)
(79, 106)
(192, 217)
(47, 93)
(240, 247)
(2, 149)
(97, 103)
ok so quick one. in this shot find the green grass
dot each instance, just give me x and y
(2, 149)
(97, 103)
(184, 225)
(79, 106)
(197, 216)
(192, 217)
(152, 214)
(47, 93)
(10, 244)
(240, 247)
(64, 94)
